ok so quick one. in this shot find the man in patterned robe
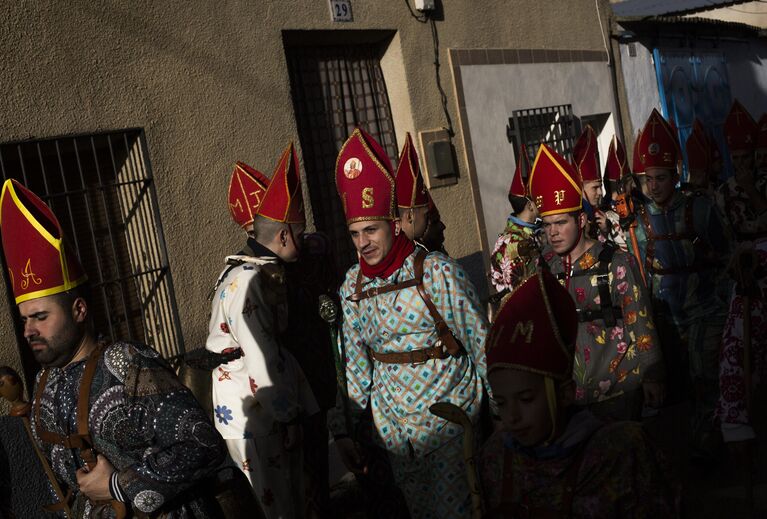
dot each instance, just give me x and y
(550, 460)
(399, 359)
(684, 247)
(743, 198)
(120, 432)
(261, 397)
(617, 358)
(513, 257)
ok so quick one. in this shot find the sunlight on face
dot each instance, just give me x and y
(372, 239)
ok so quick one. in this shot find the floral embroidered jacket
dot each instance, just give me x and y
(613, 469)
(399, 395)
(610, 361)
(265, 386)
(507, 268)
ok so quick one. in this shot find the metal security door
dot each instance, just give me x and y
(694, 85)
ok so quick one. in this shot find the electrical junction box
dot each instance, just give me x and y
(439, 158)
(425, 5)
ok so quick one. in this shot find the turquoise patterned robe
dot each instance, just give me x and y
(400, 394)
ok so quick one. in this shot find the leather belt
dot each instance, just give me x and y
(412, 357)
(586, 316)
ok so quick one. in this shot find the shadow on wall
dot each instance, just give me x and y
(474, 265)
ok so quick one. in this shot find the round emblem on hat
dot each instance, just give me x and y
(352, 168)
(654, 148)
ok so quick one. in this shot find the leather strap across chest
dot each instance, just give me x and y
(447, 342)
(607, 312)
(81, 439)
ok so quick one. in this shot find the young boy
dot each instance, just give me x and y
(513, 257)
(549, 460)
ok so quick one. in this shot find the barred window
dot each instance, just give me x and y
(552, 125)
(102, 191)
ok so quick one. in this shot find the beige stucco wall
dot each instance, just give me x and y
(209, 84)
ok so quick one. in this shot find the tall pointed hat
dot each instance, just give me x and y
(636, 162)
(365, 179)
(535, 329)
(698, 154)
(740, 129)
(658, 144)
(246, 190)
(411, 190)
(617, 165)
(554, 184)
(283, 200)
(39, 262)
(585, 155)
(518, 185)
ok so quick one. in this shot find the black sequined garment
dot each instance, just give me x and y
(145, 422)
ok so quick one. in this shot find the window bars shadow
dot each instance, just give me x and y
(102, 191)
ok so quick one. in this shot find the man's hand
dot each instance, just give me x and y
(654, 393)
(351, 456)
(293, 436)
(602, 221)
(94, 483)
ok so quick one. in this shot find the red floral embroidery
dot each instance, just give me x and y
(224, 327)
(253, 385)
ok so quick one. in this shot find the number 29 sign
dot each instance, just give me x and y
(341, 10)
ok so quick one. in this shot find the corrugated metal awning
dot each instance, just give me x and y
(642, 8)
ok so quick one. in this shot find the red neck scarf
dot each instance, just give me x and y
(400, 250)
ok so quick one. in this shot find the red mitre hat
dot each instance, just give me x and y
(246, 190)
(411, 191)
(39, 262)
(364, 179)
(535, 329)
(617, 165)
(658, 144)
(521, 171)
(554, 184)
(636, 163)
(740, 129)
(761, 136)
(698, 151)
(283, 200)
(585, 157)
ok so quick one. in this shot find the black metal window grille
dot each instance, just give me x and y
(552, 125)
(336, 88)
(102, 191)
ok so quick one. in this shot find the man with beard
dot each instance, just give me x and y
(261, 397)
(743, 198)
(122, 434)
(413, 335)
(683, 245)
(617, 358)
